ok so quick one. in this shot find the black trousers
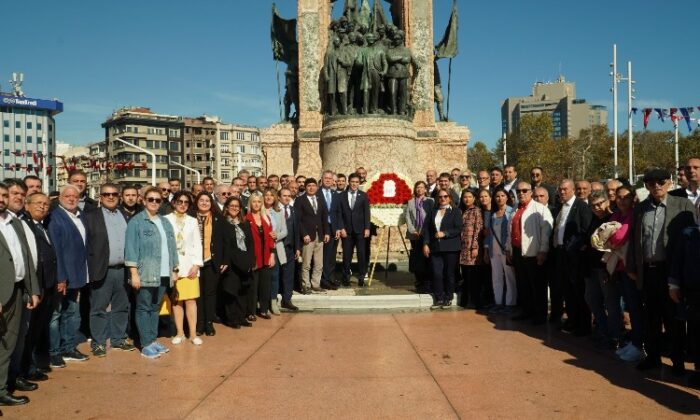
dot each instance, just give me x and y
(444, 266)
(661, 312)
(354, 241)
(419, 266)
(568, 287)
(85, 292)
(531, 284)
(235, 295)
(206, 302)
(472, 285)
(330, 250)
(558, 281)
(36, 340)
(259, 292)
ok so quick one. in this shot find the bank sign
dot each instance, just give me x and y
(22, 102)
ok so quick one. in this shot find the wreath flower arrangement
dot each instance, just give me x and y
(388, 194)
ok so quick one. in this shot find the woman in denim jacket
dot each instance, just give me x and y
(151, 255)
(495, 242)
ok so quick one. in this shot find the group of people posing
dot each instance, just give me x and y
(578, 255)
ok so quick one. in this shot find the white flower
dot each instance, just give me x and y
(389, 189)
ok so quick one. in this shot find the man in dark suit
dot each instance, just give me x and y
(314, 231)
(37, 208)
(353, 222)
(659, 221)
(68, 234)
(444, 183)
(292, 248)
(692, 173)
(330, 248)
(106, 233)
(537, 180)
(571, 228)
(18, 280)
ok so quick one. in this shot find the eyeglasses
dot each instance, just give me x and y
(165, 189)
(523, 191)
(443, 196)
(225, 194)
(535, 175)
(109, 194)
(154, 200)
(185, 202)
(598, 204)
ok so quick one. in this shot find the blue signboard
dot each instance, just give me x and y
(22, 102)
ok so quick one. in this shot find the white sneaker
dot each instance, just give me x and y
(275, 307)
(622, 350)
(178, 339)
(197, 341)
(633, 355)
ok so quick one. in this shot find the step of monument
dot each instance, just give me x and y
(324, 301)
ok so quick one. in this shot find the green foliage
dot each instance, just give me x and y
(479, 156)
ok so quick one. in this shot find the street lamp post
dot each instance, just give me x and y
(199, 175)
(153, 157)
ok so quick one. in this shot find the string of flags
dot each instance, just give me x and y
(671, 114)
(71, 163)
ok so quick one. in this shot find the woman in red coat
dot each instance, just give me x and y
(259, 296)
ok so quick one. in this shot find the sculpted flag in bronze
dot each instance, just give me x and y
(285, 48)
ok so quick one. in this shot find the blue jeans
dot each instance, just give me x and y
(633, 303)
(148, 300)
(64, 323)
(594, 299)
(275, 279)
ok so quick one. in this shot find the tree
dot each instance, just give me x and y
(480, 157)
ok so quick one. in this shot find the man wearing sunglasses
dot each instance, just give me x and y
(106, 233)
(659, 221)
(221, 193)
(166, 207)
(530, 227)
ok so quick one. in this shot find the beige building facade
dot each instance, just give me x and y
(558, 99)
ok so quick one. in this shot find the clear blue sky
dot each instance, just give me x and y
(213, 57)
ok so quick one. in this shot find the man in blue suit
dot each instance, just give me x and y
(330, 248)
(68, 235)
(292, 248)
(353, 222)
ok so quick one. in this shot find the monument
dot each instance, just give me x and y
(362, 88)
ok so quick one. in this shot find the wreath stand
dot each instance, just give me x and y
(384, 229)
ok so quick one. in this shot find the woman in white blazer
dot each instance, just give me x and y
(189, 253)
(279, 231)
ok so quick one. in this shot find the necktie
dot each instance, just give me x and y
(557, 222)
(327, 194)
(43, 231)
(286, 212)
(352, 200)
(313, 204)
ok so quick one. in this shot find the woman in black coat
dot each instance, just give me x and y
(442, 244)
(239, 259)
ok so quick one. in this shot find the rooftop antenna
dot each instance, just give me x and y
(16, 82)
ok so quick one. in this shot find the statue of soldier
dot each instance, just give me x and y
(399, 58)
(330, 75)
(356, 50)
(374, 68)
(345, 56)
(291, 94)
(439, 99)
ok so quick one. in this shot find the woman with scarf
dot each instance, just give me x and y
(208, 219)
(471, 256)
(415, 212)
(239, 258)
(189, 254)
(263, 244)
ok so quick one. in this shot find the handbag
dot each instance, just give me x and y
(187, 288)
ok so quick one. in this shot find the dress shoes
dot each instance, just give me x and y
(289, 306)
(328, 286)
(209, 329)
(345, 283)
(12, 400)
(37, 376)
(265, 315)
(24, 385)
(361, 283)
(245, 323)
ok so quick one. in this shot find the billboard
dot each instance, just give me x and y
(22, 102)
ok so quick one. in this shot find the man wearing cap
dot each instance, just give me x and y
(658, 223)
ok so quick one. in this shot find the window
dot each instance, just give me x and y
(50, 130)
(174, 173)
(136, 129)
(163, 145)
(7, 152)
(150, 130)
(29, 139)
(173, 133)
(241, 149)
(223, 135)
(6, 123)
(240, 135)
(38, 126)
(50, 139)
(18, 139)
(149, 144)
(175, 159)
(174, 146)
(39, 139)
(29, 125)
(18, 124)
(6, 138)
